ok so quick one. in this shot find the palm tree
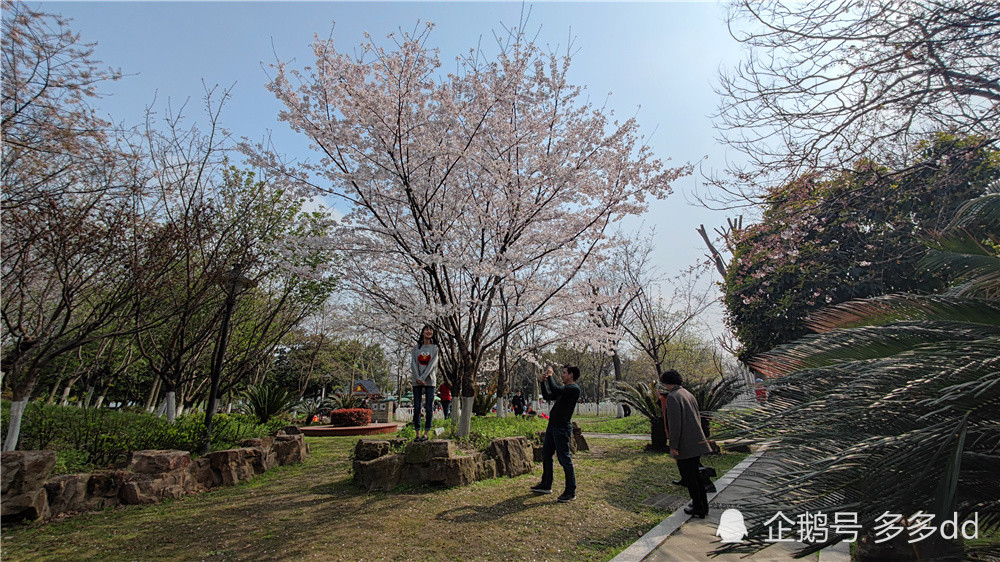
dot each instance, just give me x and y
(893, 406)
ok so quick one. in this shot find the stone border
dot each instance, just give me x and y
(28, 493)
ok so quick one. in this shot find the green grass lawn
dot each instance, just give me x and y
(634, 424)
(312, 510)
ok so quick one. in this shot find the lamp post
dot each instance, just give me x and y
(234, 283)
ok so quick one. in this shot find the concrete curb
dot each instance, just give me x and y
(655, 537)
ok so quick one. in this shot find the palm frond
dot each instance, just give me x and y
(904, 307)
(644, 398)
(981, 212)
(866, 343)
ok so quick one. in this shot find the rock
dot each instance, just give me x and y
(156, 461)
(289, 449)
(262, 460)
(151, 488)
(173, 492)
(290, 430)
(536, 453)
(261, 442)
(25, 471)
(138, 493)
(233, 465)
(30, 505)
(411, 473)
(202, 475)
(382, 473)
(103, 488)
(370, 449)
(580, 442)
(418, 452)
(441, 448)
(10, 470)
(67, 492)
(458, 471)
(486, 467)
(513, 456)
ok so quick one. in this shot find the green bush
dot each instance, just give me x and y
(86, 439)
(484, 401)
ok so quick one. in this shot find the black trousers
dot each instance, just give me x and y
(689, 474)
(557, 442)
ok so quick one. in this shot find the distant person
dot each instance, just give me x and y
(687, 441)
(530, 412)
(559, 430)
(517, 403)
(760, 392)
(423, 377)
(444, 392)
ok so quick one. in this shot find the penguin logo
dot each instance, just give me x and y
(731, 526)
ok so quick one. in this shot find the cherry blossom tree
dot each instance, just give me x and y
(69, 182)
(459, 182)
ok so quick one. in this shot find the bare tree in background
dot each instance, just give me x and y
(662, 307)
(825, 84)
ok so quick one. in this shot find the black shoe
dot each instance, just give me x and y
(539, 489)
(567, 497)
(690, 511)
(679, 483)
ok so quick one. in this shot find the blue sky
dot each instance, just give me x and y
(657, 60)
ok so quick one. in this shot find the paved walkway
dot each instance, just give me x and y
(679, 538)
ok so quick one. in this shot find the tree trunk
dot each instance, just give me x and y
(55, 389)
(88, 396)
(14, 426)
(616, 361)
(170, 405)
(468, 396)
(456, 409)
(153, 395)
(64, 401)
(465, 421)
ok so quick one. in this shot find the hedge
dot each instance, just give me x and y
(349, 417)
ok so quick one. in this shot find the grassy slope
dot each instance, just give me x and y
(313, 511)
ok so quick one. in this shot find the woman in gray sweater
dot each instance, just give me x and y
(423, 377)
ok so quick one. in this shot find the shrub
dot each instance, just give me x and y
(350, 417)
(267, 401)
(484, 401)
(346, 400)
(645, 399)
(86, 439)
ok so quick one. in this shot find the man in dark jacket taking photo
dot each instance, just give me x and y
(560, 430)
